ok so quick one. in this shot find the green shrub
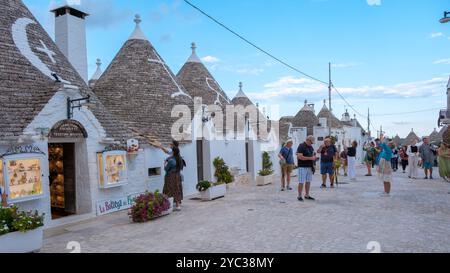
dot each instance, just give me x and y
(267, 165)
(203, 185)
(222, 172)
(12, 220)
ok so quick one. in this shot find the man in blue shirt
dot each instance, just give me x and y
(286, 156)
(328, 153)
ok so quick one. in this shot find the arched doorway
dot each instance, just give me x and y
(66, 139)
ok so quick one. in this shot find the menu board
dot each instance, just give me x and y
(24, 178)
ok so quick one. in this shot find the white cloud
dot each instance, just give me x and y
(210, 59)
(436, 35)
(442, 61)
(289, 87)
(374, 2)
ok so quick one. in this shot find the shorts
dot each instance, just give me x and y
(287, 168)
(326, 168)
(305, 175)
(428, 165)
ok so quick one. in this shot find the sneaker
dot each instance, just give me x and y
(331, 186)
(289, 188)
(426, 177)
(300, 199)
(323, 186)
(310, 198)
(431, 177)
(368, 175)
(282, 189)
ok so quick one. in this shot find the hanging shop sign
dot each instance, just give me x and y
(68, 129)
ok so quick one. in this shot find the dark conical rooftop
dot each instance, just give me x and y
(332, 120)
(140, 89)
(241, 98)
(30, 62)
(411, 136)
(306, 118)
(199, 82)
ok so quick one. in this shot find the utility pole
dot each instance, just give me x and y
(368, 121)
(330, 84)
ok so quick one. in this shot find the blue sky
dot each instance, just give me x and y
(390, 55)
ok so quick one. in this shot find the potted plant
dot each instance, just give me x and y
(20, 232)
(266, 174)
(149, 206)
(211, 191)
(222, 172)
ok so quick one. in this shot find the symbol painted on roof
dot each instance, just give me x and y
(180, 91)
(47, 51)
(20, 37)
(219, 95)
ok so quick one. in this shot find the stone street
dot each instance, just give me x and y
(416, 218)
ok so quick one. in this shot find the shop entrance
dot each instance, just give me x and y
(62, 179)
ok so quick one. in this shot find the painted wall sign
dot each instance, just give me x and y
(116, 204)
(68, 129)
(28, 149)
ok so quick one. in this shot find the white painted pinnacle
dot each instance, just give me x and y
(98, 73)
(194, 58)
(137, 33)
(241, 93)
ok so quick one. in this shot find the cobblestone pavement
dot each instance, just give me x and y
(416, 218)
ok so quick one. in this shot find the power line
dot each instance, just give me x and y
(254, 45)
(405, 113)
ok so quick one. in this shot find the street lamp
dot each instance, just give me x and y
(445, 19)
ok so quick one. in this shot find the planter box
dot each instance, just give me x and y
(264, 180)
(214, 192)
(20, 242)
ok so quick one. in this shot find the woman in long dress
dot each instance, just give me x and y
(172, 181)
(444, 161)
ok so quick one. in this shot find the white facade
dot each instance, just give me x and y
(88, 191)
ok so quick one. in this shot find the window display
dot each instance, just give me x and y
(112, 168)
(56, 168)
(23, 178)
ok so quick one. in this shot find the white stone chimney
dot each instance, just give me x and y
(70, 37)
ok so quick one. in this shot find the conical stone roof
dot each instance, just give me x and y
(412, 136)
(241, 98)
(332, 121)
(434, 136)
(397, 140)
(199, 82)
(28, 60)
(140, 89)
(306, 118)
